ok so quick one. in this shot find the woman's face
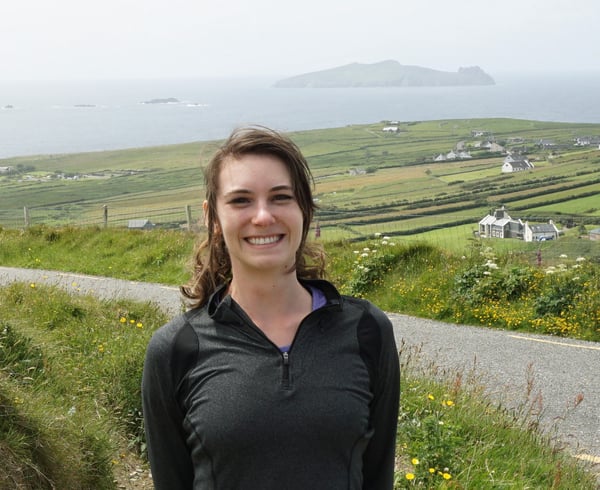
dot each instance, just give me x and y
(258, 214)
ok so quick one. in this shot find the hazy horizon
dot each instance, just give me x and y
(131, 39)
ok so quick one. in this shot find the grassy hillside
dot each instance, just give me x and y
(364, 178)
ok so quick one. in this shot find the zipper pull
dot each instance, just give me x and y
(285, 378)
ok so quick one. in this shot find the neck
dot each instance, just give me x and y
(276, 306)
(266, 292)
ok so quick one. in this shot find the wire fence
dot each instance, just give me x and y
(185, 217)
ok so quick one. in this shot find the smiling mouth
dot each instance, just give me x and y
(264, 240)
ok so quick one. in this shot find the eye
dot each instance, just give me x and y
(239, 201)
(283, 197)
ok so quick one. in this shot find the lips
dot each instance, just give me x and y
(264, 240)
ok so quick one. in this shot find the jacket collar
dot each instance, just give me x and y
(221, 307)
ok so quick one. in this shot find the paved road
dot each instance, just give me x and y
(555, 374)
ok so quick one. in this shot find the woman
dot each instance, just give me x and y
(271, 380)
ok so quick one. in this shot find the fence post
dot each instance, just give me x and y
(188, 216)
(26, 216)
(105, 212)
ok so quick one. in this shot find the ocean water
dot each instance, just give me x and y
(69, 117)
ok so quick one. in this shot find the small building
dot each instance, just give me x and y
(390, 129)
(516, 163)
(140, 224)
(595, 234)
(540, 232)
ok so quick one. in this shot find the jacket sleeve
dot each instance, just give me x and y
(380, 455)
(168, 453)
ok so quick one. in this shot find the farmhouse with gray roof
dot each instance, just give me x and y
(516, 163)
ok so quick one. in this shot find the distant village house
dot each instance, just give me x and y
(516, 163)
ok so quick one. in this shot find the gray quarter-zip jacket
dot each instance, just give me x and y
(225, 409)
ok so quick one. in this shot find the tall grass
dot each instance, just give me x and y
(450, 435)
(69, 386)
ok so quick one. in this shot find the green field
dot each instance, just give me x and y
(366, 180)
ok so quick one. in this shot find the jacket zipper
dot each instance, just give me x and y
(285, 381)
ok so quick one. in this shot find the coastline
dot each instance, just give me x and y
(75, 117)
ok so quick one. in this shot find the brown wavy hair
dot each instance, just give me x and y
(211, 262)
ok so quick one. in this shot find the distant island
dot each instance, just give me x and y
(169, 100)
(388, 73)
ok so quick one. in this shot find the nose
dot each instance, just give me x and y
(263, 215)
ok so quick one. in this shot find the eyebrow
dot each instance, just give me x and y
(283, 187)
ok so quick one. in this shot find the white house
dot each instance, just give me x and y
(540, 232)
(500, 225)
(516, 163)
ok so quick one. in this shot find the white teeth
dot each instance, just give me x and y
(263, 240)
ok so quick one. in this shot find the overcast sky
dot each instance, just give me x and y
(116, 39)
